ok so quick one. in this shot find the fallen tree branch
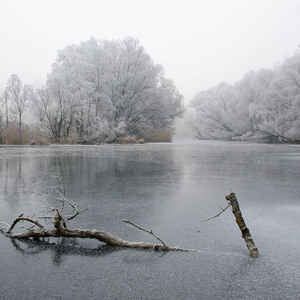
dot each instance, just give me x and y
(102, 236)
(58, 193)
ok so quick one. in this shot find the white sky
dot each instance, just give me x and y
(199, 43)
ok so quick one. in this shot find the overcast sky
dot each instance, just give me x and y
(199, 43)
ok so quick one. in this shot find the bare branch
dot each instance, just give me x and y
(77, 213)
(21, 218)
(61, 185)
(146, 230)
(217, 215)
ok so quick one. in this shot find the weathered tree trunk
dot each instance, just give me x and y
(241, 223)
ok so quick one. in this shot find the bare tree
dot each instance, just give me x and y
(18, 96)
(5, 105)
(56, 110)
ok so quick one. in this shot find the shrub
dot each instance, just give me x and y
(159, 136)
(126, 140)
(38, 136)
(71, 139)
(15, 135)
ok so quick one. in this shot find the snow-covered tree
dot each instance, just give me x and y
(4, 111)
(219, 112)
(102, 89)
(262, 105)
(17, 95)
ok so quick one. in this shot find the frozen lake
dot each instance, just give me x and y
(168, 188)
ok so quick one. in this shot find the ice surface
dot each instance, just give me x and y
(168, 188)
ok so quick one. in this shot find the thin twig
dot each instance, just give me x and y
(146, 230)
(77, 213)
(148, 235)
(217, 215)
(48, 195)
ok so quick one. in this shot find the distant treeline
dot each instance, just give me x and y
(262, 106)
(98, 91)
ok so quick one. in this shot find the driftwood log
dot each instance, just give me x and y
(67, 210)
(104, 237)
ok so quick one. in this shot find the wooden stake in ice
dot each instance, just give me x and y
(241, 223)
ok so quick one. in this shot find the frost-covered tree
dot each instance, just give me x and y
(251, 91)
(286, 94)
(105, 89)
(4, 111)
(220, 112)
(275, 113)
(263, 105)
(56, 110)
(18, 95)
(1, 114)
